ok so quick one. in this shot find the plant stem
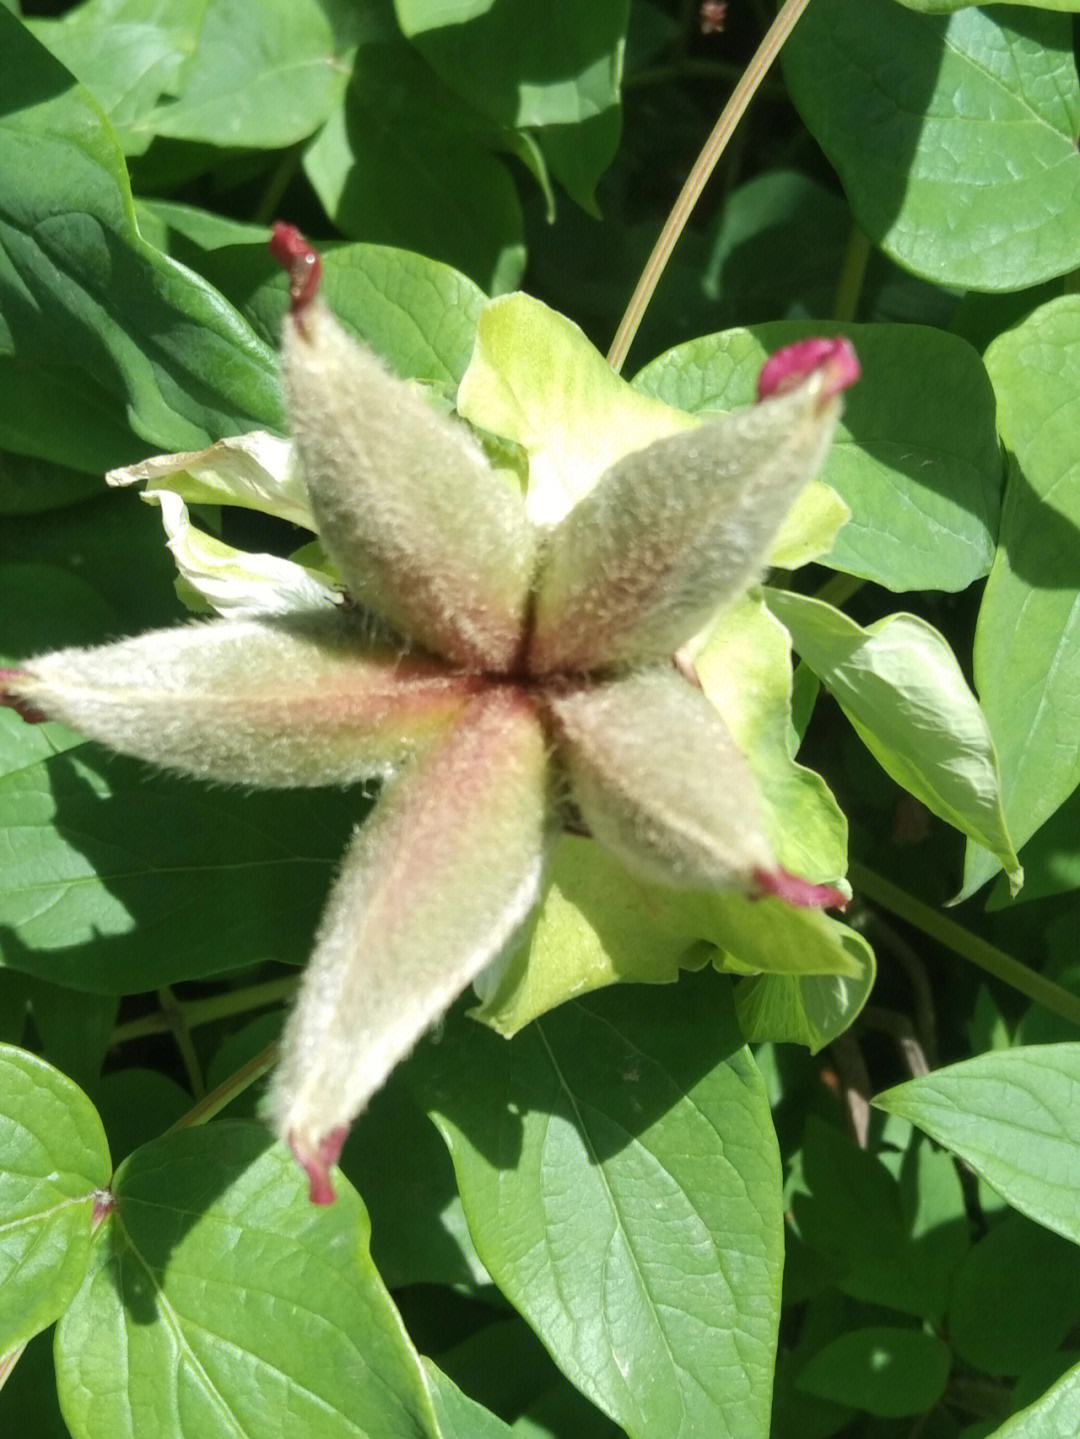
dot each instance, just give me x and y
(961, 941)
(713, 148)
(852, 274)
(177, 1026)
(214, 1102)
(205, 1011)
(838, 589)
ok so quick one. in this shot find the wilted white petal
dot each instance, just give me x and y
(284, 700)
(256, 471)
(236, 582)
(435, 884)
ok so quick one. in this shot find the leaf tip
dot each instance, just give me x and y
(316, 1157)
(30, 713)
(833, 357)
(781, 884)
(300, 261)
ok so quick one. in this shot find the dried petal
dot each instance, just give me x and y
(283, 700)
(678, 529)
(435, 884)
(423, 531)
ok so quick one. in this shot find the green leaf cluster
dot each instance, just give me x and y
(620, 1204)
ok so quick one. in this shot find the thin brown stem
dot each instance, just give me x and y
(706, 162)
(214, 1102)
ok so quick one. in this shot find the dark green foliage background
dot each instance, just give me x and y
(589, 1238)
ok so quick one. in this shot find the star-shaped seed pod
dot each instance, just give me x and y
(506, 681)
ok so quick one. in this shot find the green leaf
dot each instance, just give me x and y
(1027, 664)
(101, 321)
(759, 263)
(621, 1181)
(887, 1241)
(136, 1105)
(1049, 1417)
(901, 687)
(75, 1036)
(954, 138)
(511, 63)
(743, 659)
(419, 1235)
(400, 150)
(417, 313)
(54, 1163)
(220, 1302)
(459, 1416)
(28, 486)
(805, 1009)
(1012, 1117)
(598, 924)
(124, 580)
(261, 75)
(885, 1371)
(923, 493)
(118, 880)
(1014, 1297)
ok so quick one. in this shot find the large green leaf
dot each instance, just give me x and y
(954, 137)
(459, 1416)
(28, 485)
(598, 924)
(97, 322)
(403, 161)
(417, 313)
(1051, 1417)
(901, 687)
(887, 1371)
(54, 1165)
(923, 492)
(804, 1009)
(261, 74)
(1012, 1117)
(621, 1181)
(221, 1303)
(1039, 1271)
(510, 62)
(887, 1240)
(1027, 661)
(117, 879)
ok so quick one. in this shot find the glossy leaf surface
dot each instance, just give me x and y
(1027, 669)
(559, 1141)
(55, 1166)
(221, 1303)
(977, 113)
(1010, 1116)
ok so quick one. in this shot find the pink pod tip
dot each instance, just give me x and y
(10, 701)
(317, 1161)
(301, 262)
(780, 884)
(789, 367)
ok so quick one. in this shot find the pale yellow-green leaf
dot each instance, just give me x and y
(743, 659)
(535, 379)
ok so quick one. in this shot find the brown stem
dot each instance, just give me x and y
(706, 162)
